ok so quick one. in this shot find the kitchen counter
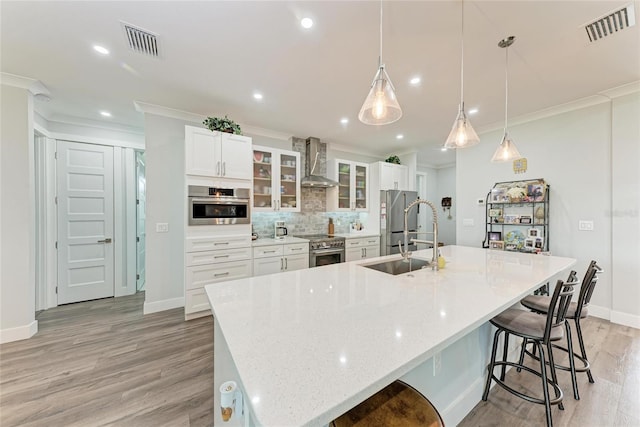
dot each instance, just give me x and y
(271, 241)
(308, 345)
(357, 235)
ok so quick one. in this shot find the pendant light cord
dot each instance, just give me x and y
(380, 57)
(462, 61)
(506, 88)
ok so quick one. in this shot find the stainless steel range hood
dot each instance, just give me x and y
(315, 163)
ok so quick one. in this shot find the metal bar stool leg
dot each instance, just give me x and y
(505, 351)
(552, 368)
(582, 349)
(545, 390)
(485, 395)
(572, 363)
(522, 351)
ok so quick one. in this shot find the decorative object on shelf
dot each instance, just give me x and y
(499, 195)
(222, 125)
(511, 219)
(507, 150)
(462, 134)
(525, 219)
(446, 206)
(516, 194)
(393, 159)
(381, 106)
(535, 192)
(496, 244)
(539, 215)
(516, 238)
(520, 165)
(495, 235)
(534, 232)
(495, 212)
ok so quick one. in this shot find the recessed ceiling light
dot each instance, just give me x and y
(443, 149)
(306, 23)
(257, 96)
(101, 49)
(344, 120)
(399, 136)
(415, 81)
(105, 114)
(473, 111)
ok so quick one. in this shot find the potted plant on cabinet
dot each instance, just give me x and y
(224, 124)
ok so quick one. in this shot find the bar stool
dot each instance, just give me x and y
(396, 405)
(541, 330)
(577, 310)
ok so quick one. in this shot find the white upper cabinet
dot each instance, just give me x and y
(217, 154)
(276, 180)
(352, 192)
(393, 177)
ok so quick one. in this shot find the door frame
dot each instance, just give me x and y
(124, 214)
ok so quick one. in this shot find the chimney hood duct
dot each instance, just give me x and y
(315, 160)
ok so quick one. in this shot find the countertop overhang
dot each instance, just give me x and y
(310, 344)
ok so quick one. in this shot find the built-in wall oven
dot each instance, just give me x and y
(325, 250)
(219, 206)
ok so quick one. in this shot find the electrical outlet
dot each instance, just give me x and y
(585, 225)
(437, 363)
(162, 227)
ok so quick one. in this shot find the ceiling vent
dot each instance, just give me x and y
(611, 23)
(141, 41)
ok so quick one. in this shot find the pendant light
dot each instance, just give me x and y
(507, 150)
(381, 106)
(462, 134)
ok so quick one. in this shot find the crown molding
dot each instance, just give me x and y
(32, 85)
(623, 90)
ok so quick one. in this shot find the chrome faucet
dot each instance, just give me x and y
(406, 253)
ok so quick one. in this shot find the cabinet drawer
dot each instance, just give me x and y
(355, 243)
(200, 275)
(215, 257)
(196, 300)
(198, 244)
(267, 251)
(371, 241)
(296, 248)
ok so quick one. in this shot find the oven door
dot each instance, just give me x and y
(218, 211)
(320, 257)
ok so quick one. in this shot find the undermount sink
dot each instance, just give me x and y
(399, 266)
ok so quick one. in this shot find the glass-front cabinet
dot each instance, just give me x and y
(276, 180)
(352, 192)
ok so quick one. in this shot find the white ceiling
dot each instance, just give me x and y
(216, 54)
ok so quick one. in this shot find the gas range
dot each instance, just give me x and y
(323, 241)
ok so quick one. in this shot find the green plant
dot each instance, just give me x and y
(393, 159)
(222, 124)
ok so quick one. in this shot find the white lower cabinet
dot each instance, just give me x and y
(210, 260)
(362, 248)
(278, 258)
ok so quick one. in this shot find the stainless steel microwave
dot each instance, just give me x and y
(219, 206)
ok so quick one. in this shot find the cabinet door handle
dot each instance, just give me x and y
(107, 240)
(295, 249)
(281, 263)
(269, 252)
(220, 243)
(365, 252)
(221, 256)
(226, 273)
(218, 168)
(224, 168)
(286, 264)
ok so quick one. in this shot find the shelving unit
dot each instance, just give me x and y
(517, 216)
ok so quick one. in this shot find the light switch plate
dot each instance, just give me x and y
(480, 202)
(585, 225)
(162, 227)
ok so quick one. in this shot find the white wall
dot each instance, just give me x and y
(17, 220)
(164, 142)
(625, 206)
(572, 152)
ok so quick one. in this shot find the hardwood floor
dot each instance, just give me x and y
(101, 363)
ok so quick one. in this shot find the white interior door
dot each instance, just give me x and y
(140, 221)
(85, 222)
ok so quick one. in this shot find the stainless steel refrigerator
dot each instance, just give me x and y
(392, 205)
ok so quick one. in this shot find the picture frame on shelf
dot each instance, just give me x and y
(526, 219)
(499, 195)
(495, 236)
(529, 244)
(511, 247)
(495, 212)
(511, 219)
(535, 192)
(496, 245)
(534, 232)
(539, 243)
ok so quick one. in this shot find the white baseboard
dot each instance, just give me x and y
(600, 312)
(625, 319)
(166, 304)
(19, 333)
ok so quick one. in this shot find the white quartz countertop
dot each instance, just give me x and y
(271, 241)
(310, 344)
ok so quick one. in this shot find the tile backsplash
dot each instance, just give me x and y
(303, 222)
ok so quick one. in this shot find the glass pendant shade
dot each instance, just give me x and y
(506, 151)
(381, 106)
(462, 134)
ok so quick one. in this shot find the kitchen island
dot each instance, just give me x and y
(308, 345)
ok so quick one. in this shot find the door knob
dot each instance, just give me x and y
(107, 240)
